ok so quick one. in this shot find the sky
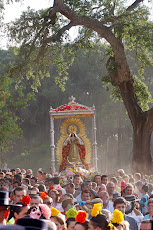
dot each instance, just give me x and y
(13, 11)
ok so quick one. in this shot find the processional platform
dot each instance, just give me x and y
(73, 147)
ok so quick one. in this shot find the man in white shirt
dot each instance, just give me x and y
(103, 195)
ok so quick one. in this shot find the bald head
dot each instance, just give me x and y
(103, 195)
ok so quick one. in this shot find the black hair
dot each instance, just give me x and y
(103, 176)
(27, 180)
(17, 182)
(69, 220)
(34, 178)
(96, 176)
(12, 170)
(119, 200)
(20, 188)
(28, 176)
(85, 191)
(16, 209)
(83, 184)
(41, 187)
(93, 192)
(9, 179)
(100, 221)
(17, 177)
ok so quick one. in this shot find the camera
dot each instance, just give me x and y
(130, 203)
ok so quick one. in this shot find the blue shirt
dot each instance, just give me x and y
(147, 217)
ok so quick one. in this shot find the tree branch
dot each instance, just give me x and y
(134, 5)
(122, 77)
(103, 31)
(53, 39)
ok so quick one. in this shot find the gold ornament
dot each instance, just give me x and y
(73, 125)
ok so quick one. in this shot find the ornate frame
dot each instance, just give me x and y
(72, 111)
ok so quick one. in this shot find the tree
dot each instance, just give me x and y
(122, 27)
(12, 99)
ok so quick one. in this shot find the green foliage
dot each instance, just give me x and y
(99, 9)
(14, 96)
(9, 130)
(142, 93)
(34, 29)
(136, 32)
(112, 66)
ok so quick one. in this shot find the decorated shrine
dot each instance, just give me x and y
(74, 148)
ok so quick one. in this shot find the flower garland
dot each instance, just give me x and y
(72, 106)
(71, 213)
(54, 211)
(81, 217)
(118, 217)
(96, 210)
(43, 195)
(26, 200)
(51, 187)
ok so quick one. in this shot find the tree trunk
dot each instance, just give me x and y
(142, 160)
(142, 123)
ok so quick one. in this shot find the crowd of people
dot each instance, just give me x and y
(105, 202)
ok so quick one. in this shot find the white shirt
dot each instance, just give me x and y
(59, 207)
(110, 206)
(138, 218)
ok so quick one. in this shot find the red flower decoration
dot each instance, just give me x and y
(11, 197)
(26, 200)
(72, 106)
(43, 195)
(81, 217)
(6, 214)
(51, 187)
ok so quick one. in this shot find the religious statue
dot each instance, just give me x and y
(73, 152)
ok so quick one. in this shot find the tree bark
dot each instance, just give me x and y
(142, 123)
(142, 160)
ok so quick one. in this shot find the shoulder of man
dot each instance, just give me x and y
(76, 193)
(132, 222)
(111, 203)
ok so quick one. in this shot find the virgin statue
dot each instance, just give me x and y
(73, 152)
